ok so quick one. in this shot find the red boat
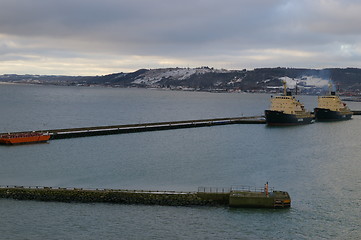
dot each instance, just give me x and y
(25, 137)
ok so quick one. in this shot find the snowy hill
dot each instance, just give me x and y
(310, 81)
(154, 76)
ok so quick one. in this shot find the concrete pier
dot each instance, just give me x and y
(232, 198)
(146, 127)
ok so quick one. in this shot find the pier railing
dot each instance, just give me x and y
(200, 189)
(232, 189)
(214, 189)
(93, 189)
(249, 189)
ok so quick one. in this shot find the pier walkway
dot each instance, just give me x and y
(145, 127)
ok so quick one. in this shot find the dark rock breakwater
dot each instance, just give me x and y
(232, 198)
(115, 196)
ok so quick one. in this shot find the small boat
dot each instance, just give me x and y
(287, 110)
(24, 137)
(331, 108)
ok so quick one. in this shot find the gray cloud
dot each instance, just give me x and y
(228, 34)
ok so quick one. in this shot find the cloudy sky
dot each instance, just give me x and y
(96, 37)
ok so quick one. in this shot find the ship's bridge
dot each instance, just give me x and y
(286, 104)
(331, 102)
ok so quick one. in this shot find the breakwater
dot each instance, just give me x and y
(145, 127)
(233, 198)
(167, 198)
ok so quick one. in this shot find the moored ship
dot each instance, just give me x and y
(287, 110)
(331, 108)
(24, 137)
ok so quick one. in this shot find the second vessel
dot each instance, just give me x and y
(331, 108)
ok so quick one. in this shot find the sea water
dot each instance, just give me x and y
(318, 165)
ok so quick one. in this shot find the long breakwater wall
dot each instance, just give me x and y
(356, 112)
(166, 198)
(145, 127)
(243, 197)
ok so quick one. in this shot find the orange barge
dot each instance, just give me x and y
(25, 137)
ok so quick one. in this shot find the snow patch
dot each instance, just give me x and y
(305, 81)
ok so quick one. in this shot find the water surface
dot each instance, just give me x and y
(318, 164)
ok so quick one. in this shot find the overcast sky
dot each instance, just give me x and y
(96, 37)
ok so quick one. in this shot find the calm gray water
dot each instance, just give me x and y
(319, 165)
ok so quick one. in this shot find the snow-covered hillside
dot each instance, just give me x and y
(153, 76)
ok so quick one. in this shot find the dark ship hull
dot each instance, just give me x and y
(277, 118)
(323, 114)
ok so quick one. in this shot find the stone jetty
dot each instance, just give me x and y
(219, 197)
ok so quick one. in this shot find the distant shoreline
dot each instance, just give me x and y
(109, 86)
(8, 83)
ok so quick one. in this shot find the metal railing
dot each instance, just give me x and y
(92, 189)
(214, 189)
(249, 189)
(200, 189)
